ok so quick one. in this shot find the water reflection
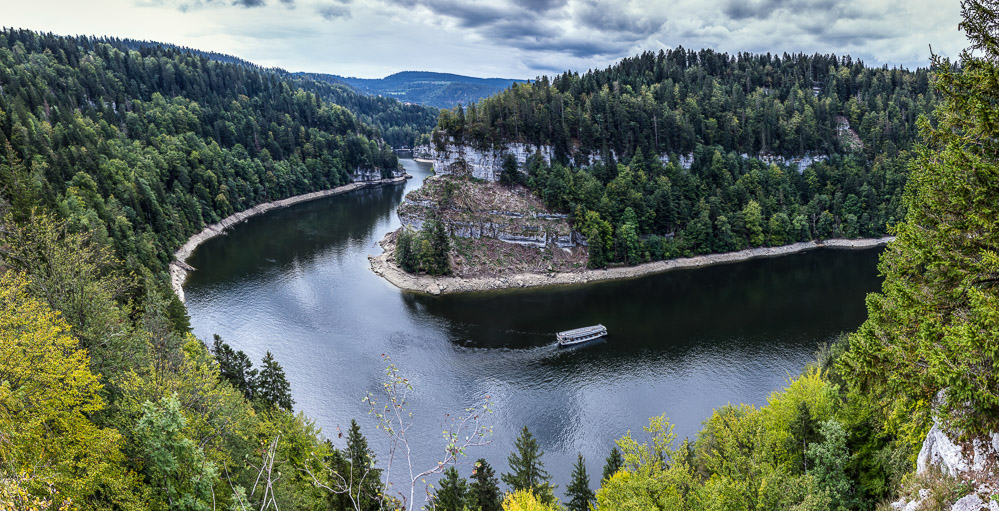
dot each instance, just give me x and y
(296, 282)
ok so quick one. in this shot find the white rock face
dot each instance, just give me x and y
(902, 505)
(969, 503)
(484, 164)
(487, 164)
(938, 449)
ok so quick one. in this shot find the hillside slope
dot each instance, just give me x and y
(441, 90)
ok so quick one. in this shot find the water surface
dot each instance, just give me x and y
(296, 282)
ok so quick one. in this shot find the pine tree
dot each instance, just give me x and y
(452, 493)
(483, 492)
(579, 493)
(234, 366)
(527, 472)
(271, 385)
(613, 464)
(935, 325)
(362, 469)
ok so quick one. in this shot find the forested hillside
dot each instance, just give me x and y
(144, 149)
(108, 158)
(441, 90)
(693, 152)
(400, 124)
(675, 100)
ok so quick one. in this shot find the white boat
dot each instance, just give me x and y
(581, 335)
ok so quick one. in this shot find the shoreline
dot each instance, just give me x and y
(384, 266)
(179, 267)
(423, 160)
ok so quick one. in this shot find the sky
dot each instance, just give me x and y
(505, 38)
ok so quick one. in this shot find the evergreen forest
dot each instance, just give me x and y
(110, 157)
(679, 153)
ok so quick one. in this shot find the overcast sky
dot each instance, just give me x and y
(504, 38)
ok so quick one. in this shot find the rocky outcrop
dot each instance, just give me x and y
(179, 267)
(463, 160)
(423, 152)
(476, 210)
(487, 164)
(975, 463)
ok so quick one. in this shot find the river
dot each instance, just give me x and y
(296, 282)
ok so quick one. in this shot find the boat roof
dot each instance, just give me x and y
(582, 331)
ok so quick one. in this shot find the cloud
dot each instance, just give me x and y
(765, 9)
(333, 12)
(524, 38)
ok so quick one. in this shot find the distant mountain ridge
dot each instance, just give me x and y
(441, 90)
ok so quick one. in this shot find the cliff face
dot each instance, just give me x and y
(463, 160)
(487, 210)
(972, 465)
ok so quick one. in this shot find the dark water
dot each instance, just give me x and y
(296, 282)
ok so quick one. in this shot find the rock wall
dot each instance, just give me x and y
(506, 226)
(487, 164)
(975, 462)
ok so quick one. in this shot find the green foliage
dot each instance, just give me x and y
(483, 490)
(527, 471)
(175, 467)
(270, 386)
(452, 492)
(668, 136)
(75, 275)
(933, 328)
(47, 396)
(613, 464)
(526, 500)
(579, 493)
(510, 174)
(673, 100)
(235, 367)
(830, 458)
(427, 251)
(144, 148)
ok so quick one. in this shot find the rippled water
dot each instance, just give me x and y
(296, 282)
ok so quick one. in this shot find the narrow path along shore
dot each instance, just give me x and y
(179, 267)
(384, 265)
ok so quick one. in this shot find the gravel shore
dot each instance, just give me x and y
(179, 267)
(384, 265)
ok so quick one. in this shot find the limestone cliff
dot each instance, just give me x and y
(476, 210)
(486, 163)
(971, 467)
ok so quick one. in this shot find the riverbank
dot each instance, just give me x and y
(384, 265)
(179, 267)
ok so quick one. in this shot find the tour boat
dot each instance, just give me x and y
(581, 335)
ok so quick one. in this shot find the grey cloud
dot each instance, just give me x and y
(333, 12)
(540, 25)
(249, 3)
(764, 9)
(606, 17)
(541, 5)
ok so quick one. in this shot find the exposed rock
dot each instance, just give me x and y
(486, 163)
(476, 210)
(974, 463)
(969, 503)
(939, 450)
(902, 505)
